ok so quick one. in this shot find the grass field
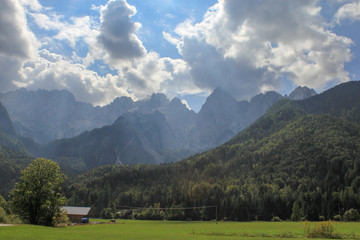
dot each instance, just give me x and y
(131, 229)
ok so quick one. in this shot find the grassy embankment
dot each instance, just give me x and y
(129, 229)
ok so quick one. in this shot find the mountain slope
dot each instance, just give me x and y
(340, 101)
(286, 158)
(12, 153)
(11, 163)
(222, 117)
(133, 138)
(49, 115)
(6, 125)
(8, 135)
(301, 93)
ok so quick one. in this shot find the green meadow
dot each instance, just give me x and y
(135, 229)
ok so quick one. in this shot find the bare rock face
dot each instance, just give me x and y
(153, 130)
(222, 117)
(301, 93)
(49, 115)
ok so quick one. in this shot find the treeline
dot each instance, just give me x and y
(11, 163)
(288, 165)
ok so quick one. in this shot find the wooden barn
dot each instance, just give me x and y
(75, 214)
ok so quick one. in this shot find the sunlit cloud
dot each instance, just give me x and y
(245, 47)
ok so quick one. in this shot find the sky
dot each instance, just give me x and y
(103, 49)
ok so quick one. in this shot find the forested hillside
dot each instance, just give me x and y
(11, 163)
(289, 164)
(12, 153)
(157, 131)
(133, 138)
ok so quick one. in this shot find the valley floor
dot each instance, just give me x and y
(132, 229)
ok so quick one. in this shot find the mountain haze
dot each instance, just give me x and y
(222, 117)
(289, 163)
(157, 130)
(13, 157)
(153, 130)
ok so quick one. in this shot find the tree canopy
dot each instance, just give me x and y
(37, 196)
(287, 164)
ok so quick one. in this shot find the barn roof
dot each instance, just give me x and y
(76, 210)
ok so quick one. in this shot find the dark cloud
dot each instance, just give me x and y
(247, 46)
(210, 69)
(17, 43)
(117, 31)
(13, 37)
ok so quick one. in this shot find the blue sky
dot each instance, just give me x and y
(99, 50)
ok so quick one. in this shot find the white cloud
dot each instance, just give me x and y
(171, 39)
(33, 5)
(71, 32)
(246, 46)
(151, 73)
(243, 46)
(46, 69)
(140, 72)
(349, 11)
(17, 43)
(52, 71)
(81, 27)
(183, 101)
(48, 21)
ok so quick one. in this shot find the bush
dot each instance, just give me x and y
(276, 219)
(106, 213)
(61, 219)
(351, 215)
(337, 218)
(3, 203)
(8, 218)
(123, 214)
(149, 214)
(296, 212)
(321, 230)
(3, 216)
(321, 218)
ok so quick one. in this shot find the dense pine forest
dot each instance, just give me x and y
(301, 160)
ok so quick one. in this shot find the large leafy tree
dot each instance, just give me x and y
(37, 196)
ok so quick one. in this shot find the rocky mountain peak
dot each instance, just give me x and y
(219, 99)
(270, 96)
(301, 93)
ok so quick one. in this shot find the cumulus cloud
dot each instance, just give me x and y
(52, 71)
(152, 73)
(70, 31)
(33, 5)
(349, 11)
(247, 46)
(17, 43)
(139, 71)
(112, 40)
(117, 31)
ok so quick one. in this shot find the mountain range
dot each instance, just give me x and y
(300, 160)
(154, 130)
(49, 115)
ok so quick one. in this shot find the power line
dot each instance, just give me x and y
(180, 208)
(159, 208)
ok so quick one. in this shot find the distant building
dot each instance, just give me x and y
(75, 214)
